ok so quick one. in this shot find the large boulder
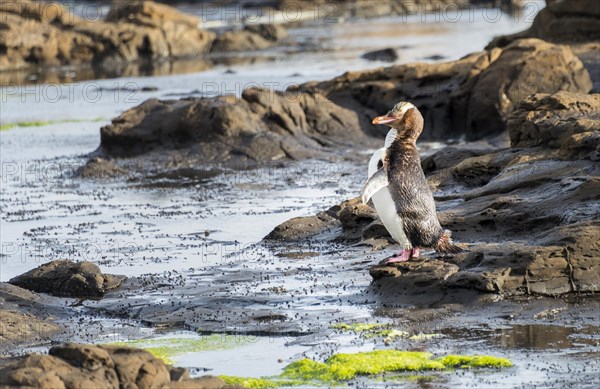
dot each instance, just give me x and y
(86, 366)
(561, 21)
(262, 125)
(471, 97)
(68, 279)
(524, 67)
(552, 120)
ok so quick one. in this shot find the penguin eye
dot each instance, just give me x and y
(379, 164)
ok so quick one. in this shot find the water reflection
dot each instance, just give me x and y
(532, 336)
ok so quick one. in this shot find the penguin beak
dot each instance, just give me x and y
(384, 119)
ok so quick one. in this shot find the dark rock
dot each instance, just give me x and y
(300, 228)
(66, 278)
(435, 57)
(561, 21)
(240, 40)
(100, 168)
(262, 125)
(79, 366)
(550, 120)
(524, 67)
(470, 97)
(271, 32)
(529, 213)
(384, 55)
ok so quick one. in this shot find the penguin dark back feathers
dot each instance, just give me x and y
(399, 188)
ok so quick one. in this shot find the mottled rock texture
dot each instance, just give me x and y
(86, 366)
(68, 279)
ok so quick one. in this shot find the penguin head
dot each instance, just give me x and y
(405, 118)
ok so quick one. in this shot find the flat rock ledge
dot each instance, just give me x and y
(68, 279)
(528, 216)
(87, 366)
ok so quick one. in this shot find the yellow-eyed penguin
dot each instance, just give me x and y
(399, 189)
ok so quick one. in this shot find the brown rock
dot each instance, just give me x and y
(471, 96)
(18, 327)
(101, 168)
(66, 278)
(271, 32)
(530, 212)
(240, 40)
(415, 276)
(550, 120)
(262, 125)
(561, 21)
(47, 34)
(85, 366)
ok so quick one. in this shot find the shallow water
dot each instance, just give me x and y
(204, 229)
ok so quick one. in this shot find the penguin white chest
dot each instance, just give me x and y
(386, 209)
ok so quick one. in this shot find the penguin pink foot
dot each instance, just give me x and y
(402, 256)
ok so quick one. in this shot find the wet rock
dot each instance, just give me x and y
(550, 120)
(47, 34)
(78, 365)
(524, 67)
(100, 168)
(527, 215)
(303, 227)
(270, 32)
(471, 97)
(384, 55)
(561, 21)
(415, 276)
(349, 217)
(262, 125)
(341, 9)
(241, 40)
(66, 278)
(20, 327)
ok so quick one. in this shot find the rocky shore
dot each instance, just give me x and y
(527, 214)
(470, 98)
(80, 366)
(530, 93)
(519, 187)
(137, 32)
(147, 34)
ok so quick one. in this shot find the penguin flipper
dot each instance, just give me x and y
(376, 182)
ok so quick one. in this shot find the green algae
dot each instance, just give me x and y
(474, 361)
(9, 126)
(341, 368)
(367, 330)
(359, 327)
(258, 383)
(167, 348)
